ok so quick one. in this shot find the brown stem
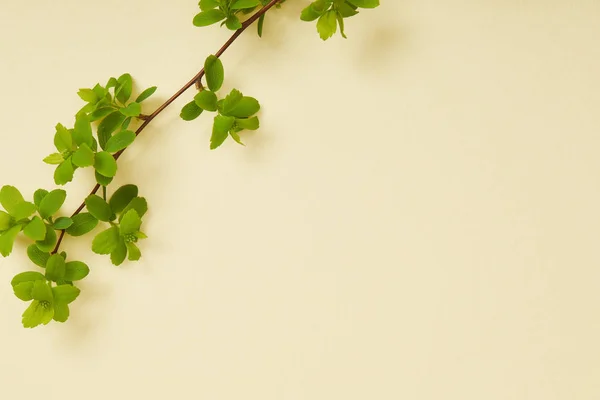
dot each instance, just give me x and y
(148, 119)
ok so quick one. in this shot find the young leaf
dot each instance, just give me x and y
(206, 5)
(65, 293)
(103, 180)
(124, 88)
(48, 243)
(37, 314)
(36, 229)
(236, 137)
(340, 20)
(122, 197)
(145, 94)
(190, 111)
(206, 100)
(364, 3)
(309, 13)
(246, 107)
(52, 202)
(24, 290)
(120, 141)
(64, 172)
(39, 195)
(76, 271)
(38, 257)
(83, 157)
(101, 112)
(130, 223)
(29, 276)
(209, 17)
(215, 73)
(230, 101)
(55, 268)
(98, 208)
(105, 242)
(62, 223)
(327, 24)
(233, 22)
(242, 4)
(119, 254)
(54, 159)
(134, 252)
(61, 312)
(132, 110)
(7, 240)
(62, 139)
(108, 126)
(87, 95)
(5, 221)
(10, 198)
(139, 204)
(251, 124)
(82, 224)
(261, 23)
(83, 130)
(221, 127)
(105, 164)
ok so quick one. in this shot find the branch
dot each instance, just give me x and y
(148, 119)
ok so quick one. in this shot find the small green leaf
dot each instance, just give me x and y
(230, 101)
(139, 204)
(209, 17)
(261, 23)
(236, 137)
(65, 293)
(122, 197)
(246, 107)
(24, 210)
(120, 141)
(233, 22)
(101, 112)
(346, 10)
(130, 223)
(24, 290)
(83, 130)
(242, 4)
(52, 202)
(10, 198)
(340, 20)
(251, 124)
(124, 88)
(98, 208)
(83, 157)
(64, 172)
(327, 24)
(49, 241)
(38, 257)
(214, 72)
(103, 180)
(5, 221)
(87, 95)
(119, 253)
(76, 271)
(29, 276)
(145, 94)
(62, 223)
(108, 126)
(82, 224)
(7, 240)
(106, 242)
(61, 312)
(364, 3)
(62, 139)
(55, 268)
(39, 195)
(105, 164)
(190, 111)
(134, 252)
(208, 4)
(37, 313)
(132, 110)
(221, 127)
(36, 229)
(206, 100)
(54, 159)
(309, 14)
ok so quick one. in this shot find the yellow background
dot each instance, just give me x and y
(418, 217)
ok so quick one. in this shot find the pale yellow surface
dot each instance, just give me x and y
(417, 219)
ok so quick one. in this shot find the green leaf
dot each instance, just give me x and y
(105, 164)
(55, 268)
(208, 4)
(241, 4)
(139, 204)
(39, 195)
(221, 127)
(309, 14)
(64, 172)
(52, 202)
(190, 111)
(145, 94)
(5, 221)
(346, 10)
(108, 126)
(120, 141)
(209, 17)
(206, 100)
(98, 208)
(24, 291)
(38, 257)
(62, 139)
(7, 240)
(61, 312)
(236, 137)
(62, 223)
(54, 159)
(327, 24)
(124, 88)
(83, 157)
(122, 197)
(29, 276)
(76, 271)
(119, 253)
(37, 313)
(42, 292)
(106, 242)
(214, 72)
(82, 133)
(230, 101)
(246, 107)
(134, 252)
(65, 293)
(82, 224)
(340, 20)
(36, 229)
(101, 112)
(261, 23)
(11, 198)
(251, 124)
(49, 241)
(126, 123)
(88, 95)
(132, 110)
(103, 180)
(130, 223)
(233, 22)
(364, 3)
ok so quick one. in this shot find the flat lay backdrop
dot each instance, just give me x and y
(418, 217)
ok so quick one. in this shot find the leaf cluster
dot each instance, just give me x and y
(331, 13)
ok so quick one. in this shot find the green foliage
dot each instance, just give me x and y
(331, 13)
